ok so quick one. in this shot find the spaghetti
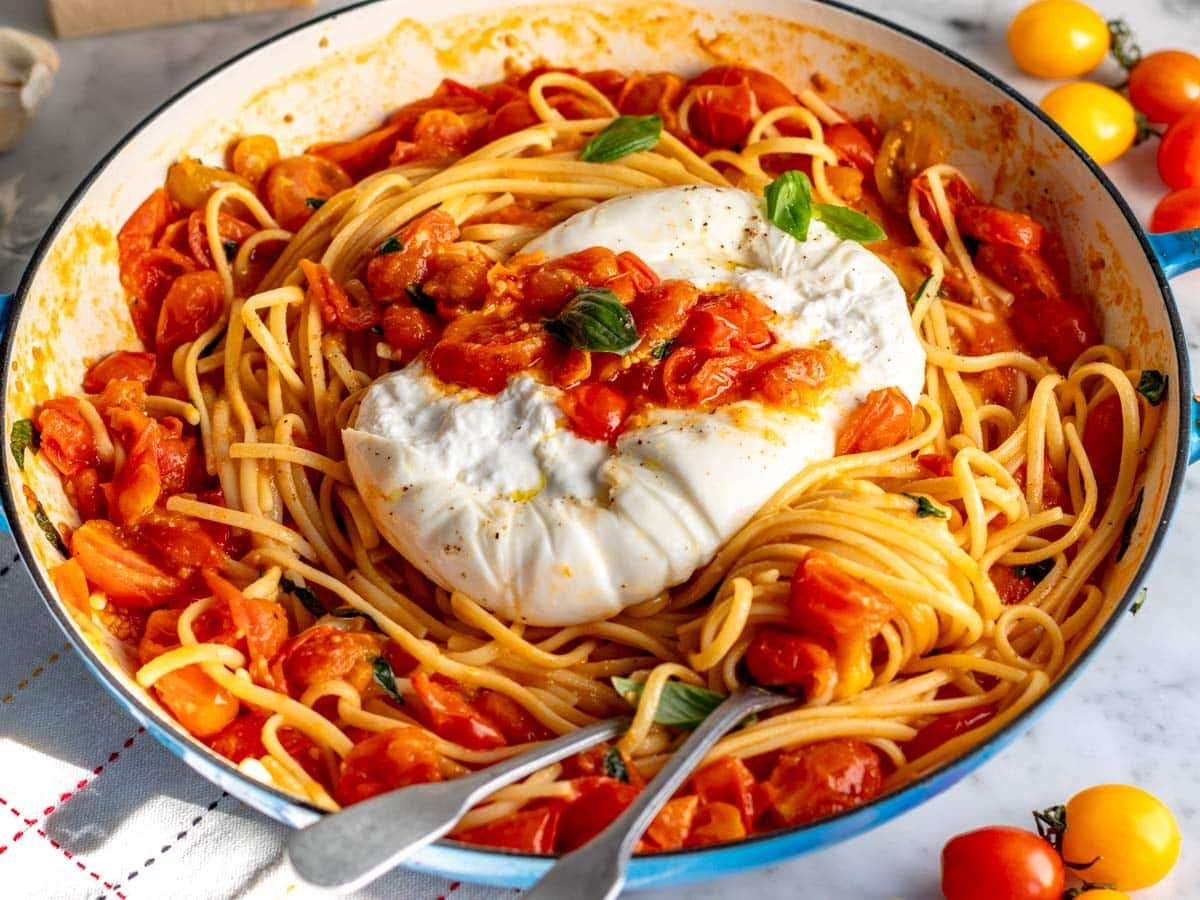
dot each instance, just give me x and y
(223, 534)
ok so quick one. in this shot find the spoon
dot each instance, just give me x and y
(348, 849)
(596, 871)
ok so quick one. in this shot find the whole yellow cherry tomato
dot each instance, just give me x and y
(1100, 120)
(1058, 38)
(1130, 834)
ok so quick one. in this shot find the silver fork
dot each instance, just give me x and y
(348, 849)
(596, 871)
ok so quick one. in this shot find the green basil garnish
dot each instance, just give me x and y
(391, 245)
(614, 765)
(1153, 386)
(305, 595)
(1037, 571)
(912, 301)
(381, 669)
(621, 137)
(420, 299)
(789, 203)
(314, 202)
(52, 534)
(682, 705)
(663, 350)
(1130, 524)
(230, 248)
(1138, 603)
(790, 208)
(24, 436)
(595, 319)
(349, 612)
(926, 508)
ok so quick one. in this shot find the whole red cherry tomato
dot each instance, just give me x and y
(1001, 863)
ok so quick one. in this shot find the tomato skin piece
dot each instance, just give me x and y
(1177, 211)
(595, 411)
(1011, 588)
(482, 351)
(452, 717)
(529, 831)
(408, 329)
(71, 584)
(337, 307)
(511, 718)
(290, 183)
(661, 312)
(821, 779)
(144, 227)
(1055, 328)
(125, 365)
(936, 464)
(727, 780)
(673, 824)
(722, 114)
(261, 623)
(600, 800)
(785, 380)
(67, 440)
(1132, 832)
(849, 142)
(386, 761)
(946, 727)
(1165, 84)
(1001, 226)
(149, 278)
(716, 823)
(827, 602)
(389, 275)
(323, 652)
(778, 658)
(1179, 152)
(1024, 273)
(769, 92)
(200, 705)
(1001, 863)
(1102, 441)
(881, 421)
(128, 578)
(193, 302)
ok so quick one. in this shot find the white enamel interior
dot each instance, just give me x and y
(339, 75)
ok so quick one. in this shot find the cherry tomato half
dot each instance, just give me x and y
(1177, 211)
(1099, 119)
(1166, 84)
(1058, 38)
(1001, 863)
(1130, 834)
(1179, 152)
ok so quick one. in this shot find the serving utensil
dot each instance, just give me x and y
(596, 871)
(348, 849)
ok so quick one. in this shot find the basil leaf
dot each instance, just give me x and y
(926, 508)
(663, 350)
(594, 319)
(381, 669)
(682, 705)
(789, 203)
(1037, 571)
(314, 202)
(912, 301)
(848, 224)
(621, 137)
(230, 248)
(614, 765)
(1138, 603)
(391, 245)
(305, 595)
(1153, 386)
(1130, 524)
(24, 436)
(420, 299)
(52, 534)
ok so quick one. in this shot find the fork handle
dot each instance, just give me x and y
(348, 849)
(596, 871)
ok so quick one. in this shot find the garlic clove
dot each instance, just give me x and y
(28, 65)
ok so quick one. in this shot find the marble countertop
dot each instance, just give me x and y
(1132, 717)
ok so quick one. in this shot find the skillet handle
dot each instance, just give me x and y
(1179, 252)
(5, 302)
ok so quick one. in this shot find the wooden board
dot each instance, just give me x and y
(76, 18)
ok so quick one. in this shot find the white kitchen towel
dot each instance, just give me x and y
(93, 807)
